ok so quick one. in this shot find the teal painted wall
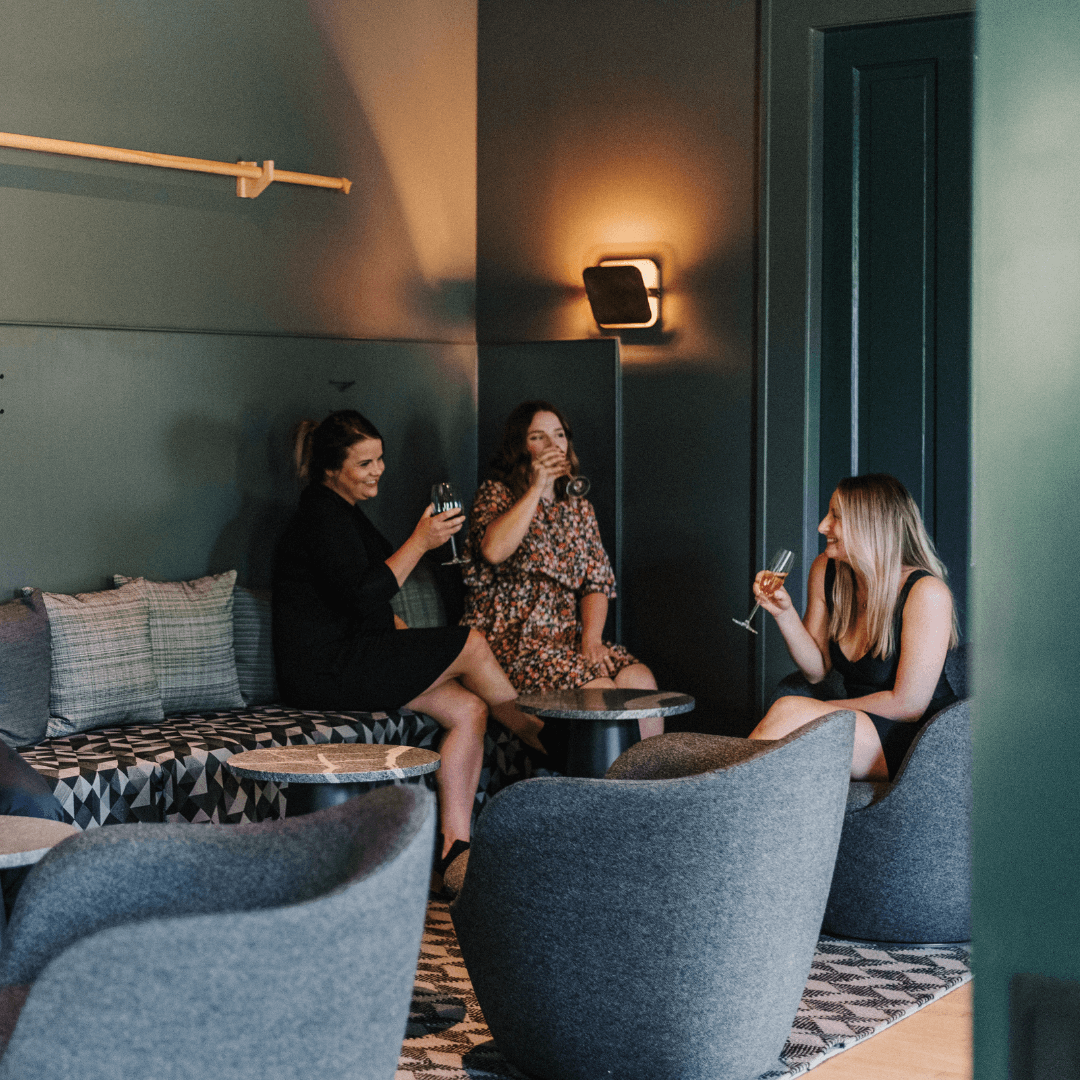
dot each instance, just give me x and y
(348, 88)
(166, 454)
(620, 127)
(159, 448)
(1026, 384)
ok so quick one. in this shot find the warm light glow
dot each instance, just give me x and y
(650, 274)
(404, 262)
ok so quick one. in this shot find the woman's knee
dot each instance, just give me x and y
(785, 715)
(468, 713)
(636, 677)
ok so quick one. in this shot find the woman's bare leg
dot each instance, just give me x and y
(464, 716)
(480, 672)
(789, 713)
(639, 677)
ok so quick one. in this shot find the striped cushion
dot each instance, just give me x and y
(102, 660)
(253, 647)
(192, 637)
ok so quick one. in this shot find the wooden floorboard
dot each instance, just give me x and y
(932, 1044)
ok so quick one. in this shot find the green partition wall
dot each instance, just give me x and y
(166, 454)
(1026, 392)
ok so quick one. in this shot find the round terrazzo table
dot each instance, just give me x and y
(327, 774)
(24, 840)
(603, 722)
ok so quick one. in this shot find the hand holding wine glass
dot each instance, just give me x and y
(443, 498)
(768, 582)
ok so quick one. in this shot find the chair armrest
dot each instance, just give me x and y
(681, 753)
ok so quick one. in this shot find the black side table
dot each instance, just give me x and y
(604, 722)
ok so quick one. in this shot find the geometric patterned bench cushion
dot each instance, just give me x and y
(174, 771)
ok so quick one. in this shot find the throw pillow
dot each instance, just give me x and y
(24, 669)
(102, 660)
(418, 602)
(254, 647)
(192, 637)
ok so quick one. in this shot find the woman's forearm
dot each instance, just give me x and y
(403, 562)
(801, 645)
(504, 535)
(887, 703)
(594, 608)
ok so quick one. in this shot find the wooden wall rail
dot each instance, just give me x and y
(251, 179)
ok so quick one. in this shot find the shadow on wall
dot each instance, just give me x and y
(246, 80)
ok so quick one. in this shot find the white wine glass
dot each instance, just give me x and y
(578, 486)
(779, 568)
(444, 497)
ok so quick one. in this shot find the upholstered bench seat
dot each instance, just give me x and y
(175, 770)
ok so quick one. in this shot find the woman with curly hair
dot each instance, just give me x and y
(539, 579)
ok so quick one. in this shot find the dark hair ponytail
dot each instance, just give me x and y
(322, 448)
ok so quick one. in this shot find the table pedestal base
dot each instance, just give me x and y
(304, 798)
(595, 744)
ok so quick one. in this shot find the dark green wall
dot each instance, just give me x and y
(159, 448)
(1026, 392)
(622, 127)
(789, 305)
(166, 454)
(107, 244)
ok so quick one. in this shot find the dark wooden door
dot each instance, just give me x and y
(896, 256)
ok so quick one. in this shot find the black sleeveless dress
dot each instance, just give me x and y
(335, 645)
(871, 675)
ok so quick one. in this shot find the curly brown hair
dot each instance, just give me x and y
(512, 463)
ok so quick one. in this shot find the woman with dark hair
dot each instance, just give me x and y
(880, 612)
(337, 643)
(539, 578)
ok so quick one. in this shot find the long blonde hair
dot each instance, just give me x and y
(883, 532)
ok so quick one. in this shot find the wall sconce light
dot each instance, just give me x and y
(624, 293)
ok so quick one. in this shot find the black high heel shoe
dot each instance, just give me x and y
(442, 864)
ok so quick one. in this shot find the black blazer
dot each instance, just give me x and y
(331, 584)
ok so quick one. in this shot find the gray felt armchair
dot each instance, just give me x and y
(659, 923)
(284, 949)
(903, 871)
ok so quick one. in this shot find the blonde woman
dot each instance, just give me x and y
(879, 611)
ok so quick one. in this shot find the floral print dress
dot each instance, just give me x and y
(528, 607)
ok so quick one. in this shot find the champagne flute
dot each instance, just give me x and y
(578, 486)
(444, 497)
(774, 578)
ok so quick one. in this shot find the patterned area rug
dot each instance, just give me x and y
(854, 991)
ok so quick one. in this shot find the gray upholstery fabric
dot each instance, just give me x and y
(903, 871)
(25, 657)
(658, 929)
(284, 949)
(665, 757)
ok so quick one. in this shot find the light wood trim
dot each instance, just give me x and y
(242, 169)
